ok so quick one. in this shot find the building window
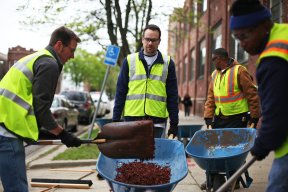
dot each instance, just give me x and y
(203, 5)
(184, 69)
(237, 52)
(216, 42)
(276, 10)
(202, 59)
(192, 64)
(195, 12)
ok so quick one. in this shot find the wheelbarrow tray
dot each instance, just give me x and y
(187, 131)
(221, 150)
(167, 153)
(101, 122)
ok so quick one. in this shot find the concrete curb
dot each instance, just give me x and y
(43, 160)
(63, 164)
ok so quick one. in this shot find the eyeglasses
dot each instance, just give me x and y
(71, 49)
(245, 35)
(150, 40)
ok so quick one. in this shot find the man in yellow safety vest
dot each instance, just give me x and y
(231, 95)
(147, 86)
(251, 24)
(26, 95)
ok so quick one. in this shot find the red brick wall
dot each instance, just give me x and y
(217, 11)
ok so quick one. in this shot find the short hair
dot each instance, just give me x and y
(64, 35)
(221, 52)
(153, 28)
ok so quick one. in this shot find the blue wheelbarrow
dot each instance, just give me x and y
(186, 132)
(221, 152)
(101, 122)
(167, 153)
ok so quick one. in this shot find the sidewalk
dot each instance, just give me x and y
(41, 166)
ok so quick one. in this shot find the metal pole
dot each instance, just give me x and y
(98, 102)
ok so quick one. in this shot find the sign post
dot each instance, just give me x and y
(111, 58)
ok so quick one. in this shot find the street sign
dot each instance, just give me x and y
(111, 58)
(112, 54)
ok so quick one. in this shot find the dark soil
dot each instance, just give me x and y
(139, 173)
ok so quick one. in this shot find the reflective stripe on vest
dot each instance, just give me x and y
(6, 93)
(16, 99)
(229, 99)
(277, 46)
(146, 95)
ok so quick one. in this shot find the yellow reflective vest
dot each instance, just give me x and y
(229, 99)
(16, 99)
(277, 46)
(146, 94)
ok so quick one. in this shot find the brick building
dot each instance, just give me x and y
(3, 65)
(16, 53)
(195, 31)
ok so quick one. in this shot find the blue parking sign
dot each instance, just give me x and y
(112, 54)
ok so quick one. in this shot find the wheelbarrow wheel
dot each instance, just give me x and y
(218, 181)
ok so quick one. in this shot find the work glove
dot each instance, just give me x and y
(173, 131)
(208, 122)
(259, 152)
(69, 139)
(253, 121)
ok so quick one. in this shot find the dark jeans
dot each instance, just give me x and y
(12, 165)
(187, 110)
(235, 121)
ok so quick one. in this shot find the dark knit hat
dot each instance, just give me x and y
(247, 13)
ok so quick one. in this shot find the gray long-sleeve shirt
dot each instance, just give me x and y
(46, 73)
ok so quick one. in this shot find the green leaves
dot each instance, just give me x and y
(90, 69)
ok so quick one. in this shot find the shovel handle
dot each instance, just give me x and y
(236, 175)
(58, 142)
(95, 141)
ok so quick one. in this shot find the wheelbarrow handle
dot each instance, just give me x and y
(58, 142)
(236, 175)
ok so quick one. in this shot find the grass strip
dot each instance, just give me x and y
(85, 151)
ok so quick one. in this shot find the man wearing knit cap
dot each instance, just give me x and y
(251, 24)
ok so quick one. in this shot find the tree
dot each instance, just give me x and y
(89, 68)
(124, 22)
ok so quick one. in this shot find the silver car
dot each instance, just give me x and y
(65, 113)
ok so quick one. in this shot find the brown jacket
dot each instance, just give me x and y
(245, 83)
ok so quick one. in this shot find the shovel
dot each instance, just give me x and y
(123, 140)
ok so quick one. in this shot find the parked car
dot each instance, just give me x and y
(102, 106)
(65, 113)
(84, 104)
